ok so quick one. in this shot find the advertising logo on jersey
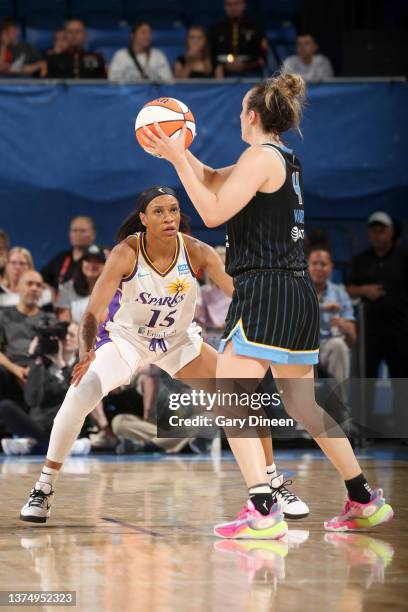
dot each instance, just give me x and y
(183, 268)
(177, 290)
(297, 233)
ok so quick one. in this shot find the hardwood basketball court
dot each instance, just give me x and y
(135, 533)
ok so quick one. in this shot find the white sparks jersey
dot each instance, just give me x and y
(153, 306)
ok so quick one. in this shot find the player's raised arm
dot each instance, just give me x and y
(252, 170)
(203, 256)
(212, 178)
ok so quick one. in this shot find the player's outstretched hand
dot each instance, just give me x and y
(81, 368)
(158, 143)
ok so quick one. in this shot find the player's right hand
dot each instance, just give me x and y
(81, 368)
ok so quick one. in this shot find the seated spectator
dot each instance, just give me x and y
(138, 432)
(17, 329)
(74, 294)
(337, 321)
(4, 255)
(47, 383)
(17, 58)
(20, 260)
(60, 42)
(213, 308)
(379, 276)
(63, 266)
(196, 61)
(312, 66)
(239, 47)
(140, 61)
(76, 62)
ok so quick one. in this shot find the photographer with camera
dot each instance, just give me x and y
(54, 350)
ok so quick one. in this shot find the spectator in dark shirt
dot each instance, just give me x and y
(48, 381)
(76, 62)
(196, 61)
(17, 329)
(60, 42)
(63, 266)
(379, 276)
(239, 47)
(17, 58)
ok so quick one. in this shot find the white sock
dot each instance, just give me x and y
(271, 471)
(47, 479)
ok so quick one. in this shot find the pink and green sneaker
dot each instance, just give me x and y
(251, 524)
(357, 517)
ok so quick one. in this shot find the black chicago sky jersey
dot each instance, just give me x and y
(269, 231)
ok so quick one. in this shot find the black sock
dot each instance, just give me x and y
(261, 496)
(358, 489)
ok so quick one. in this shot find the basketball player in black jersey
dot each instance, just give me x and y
(274, 315)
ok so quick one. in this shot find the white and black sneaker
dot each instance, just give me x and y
(293, 507)
(38, 506)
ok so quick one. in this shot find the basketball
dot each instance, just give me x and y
(170, 114)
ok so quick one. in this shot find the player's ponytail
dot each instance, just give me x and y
(279, 102)
(132, 224)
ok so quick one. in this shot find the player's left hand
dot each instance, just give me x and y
(158, 143)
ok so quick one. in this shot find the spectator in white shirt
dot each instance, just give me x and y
(312, 66)
(140, 61)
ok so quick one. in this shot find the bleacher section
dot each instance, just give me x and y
(108, 22)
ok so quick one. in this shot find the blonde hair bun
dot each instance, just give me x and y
(279, 102)
(287, 85)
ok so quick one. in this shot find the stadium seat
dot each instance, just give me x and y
(281, 32)
(38, 10)
(114, 37)
(169, 37)
(285, 50)
(40, 38)
(107, 52)
(171, 52)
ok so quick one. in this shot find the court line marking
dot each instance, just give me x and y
(131, 526)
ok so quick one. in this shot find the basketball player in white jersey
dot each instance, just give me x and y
(144, 303)
(149, 288)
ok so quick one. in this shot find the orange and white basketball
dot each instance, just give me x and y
(170, 114)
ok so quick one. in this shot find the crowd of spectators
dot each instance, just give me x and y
(235, 47)
(40, 313)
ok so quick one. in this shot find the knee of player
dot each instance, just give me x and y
(89, 391)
